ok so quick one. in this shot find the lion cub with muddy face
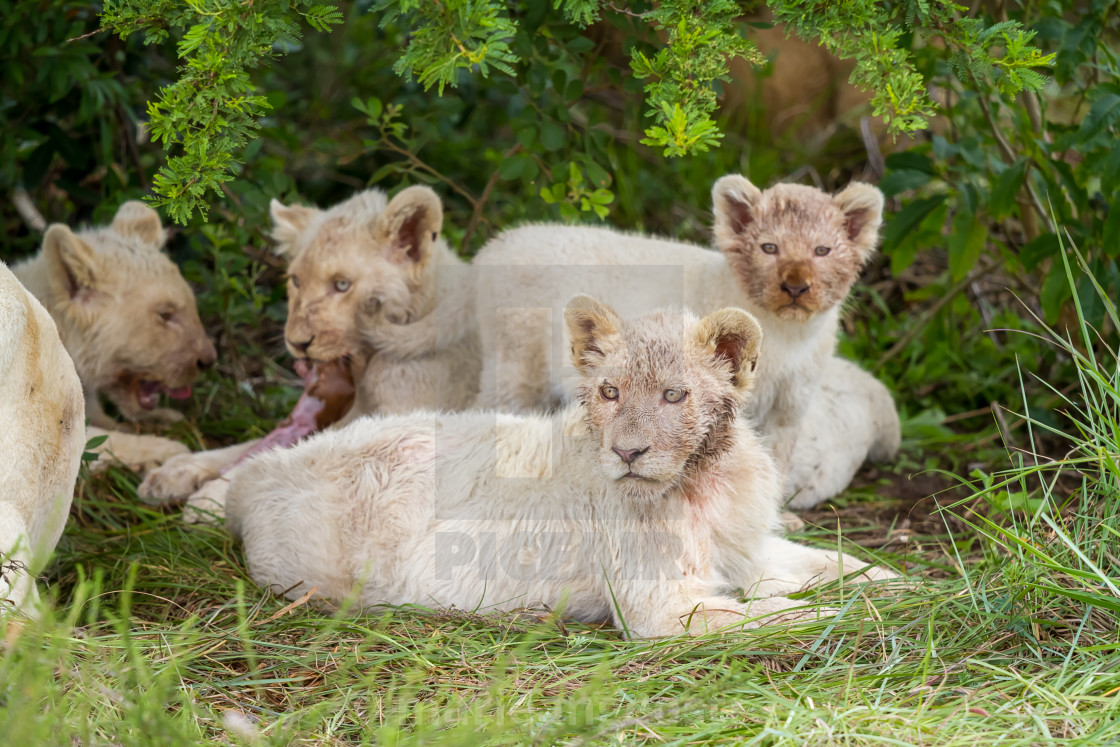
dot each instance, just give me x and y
(364, 280)
(645, 503)
(789, 255)
(127, 319)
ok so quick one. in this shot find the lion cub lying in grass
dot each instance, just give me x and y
(363, 279)
(128, 320)
(42, 409)
(789, 255)
(647, 502)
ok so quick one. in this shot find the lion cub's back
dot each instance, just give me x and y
(526, 275)
(359, 503)
(43, 412)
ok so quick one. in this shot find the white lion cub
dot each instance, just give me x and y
(647, 502)
(365, 279)
(127, 319)
(789, 255)
(43, 412)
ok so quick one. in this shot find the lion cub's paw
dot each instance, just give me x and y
(176, 480)
(208, 504)
(875, 573)
(784, 611)
(753, 614)
(138, 453)
(895, 581)
(164, 415)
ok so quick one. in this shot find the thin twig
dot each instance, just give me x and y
(1009, 158)
(85, 36)
(929, 313)
(986, 315)
(624, 11)
(875, 161)
(133, 150)
(476, 213)
(232, 197)
(416, 162)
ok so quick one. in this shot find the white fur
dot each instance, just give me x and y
(42, 409)
(491, 511)
(525, 274)
(122, 271)
(853, 417)
(417, 350)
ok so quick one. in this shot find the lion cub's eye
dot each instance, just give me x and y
(342, 285)
(821, 251)
(166, 316)
(674, 395)
(294, 279)
(770, 248)
(608, 392)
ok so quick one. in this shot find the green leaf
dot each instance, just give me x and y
(1005, 189)
(1103, 114)
(905, 220)
(1110, 240)
(96, 441)
(1040, 248)
(370, 107)
(908, 160)
(511, 168)
(527, 137)
(1055, 290)
(965, 244)
(552, 136)
(901, 181)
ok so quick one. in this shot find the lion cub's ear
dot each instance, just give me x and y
(411, 224)
(734, 337)
(288, 222)
(71, 263)
(862, 206)
(592, 328)
(735, 204)
(136, 219)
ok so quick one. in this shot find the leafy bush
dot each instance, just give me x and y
(212, 110)
(1003, 177)
(557, 136)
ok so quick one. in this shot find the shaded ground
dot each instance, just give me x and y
(901, 514)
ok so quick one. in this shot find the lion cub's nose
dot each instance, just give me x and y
(302, 346)
(208, 356)
(795, 290)
(629, 455)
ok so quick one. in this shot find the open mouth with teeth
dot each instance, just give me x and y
(147, 392)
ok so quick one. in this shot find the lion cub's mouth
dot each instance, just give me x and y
(795, 309)
(147, 392)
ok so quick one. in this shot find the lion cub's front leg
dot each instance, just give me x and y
(140, 453)
(183, 475)
(161, 415)
(672, 608)
(17, 582)
(788, 567)
(207, 505)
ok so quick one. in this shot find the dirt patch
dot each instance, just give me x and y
(897, 513)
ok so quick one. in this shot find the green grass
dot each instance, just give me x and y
(160, 638)
(1007, 635)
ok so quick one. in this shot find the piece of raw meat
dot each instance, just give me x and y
(328, 394)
